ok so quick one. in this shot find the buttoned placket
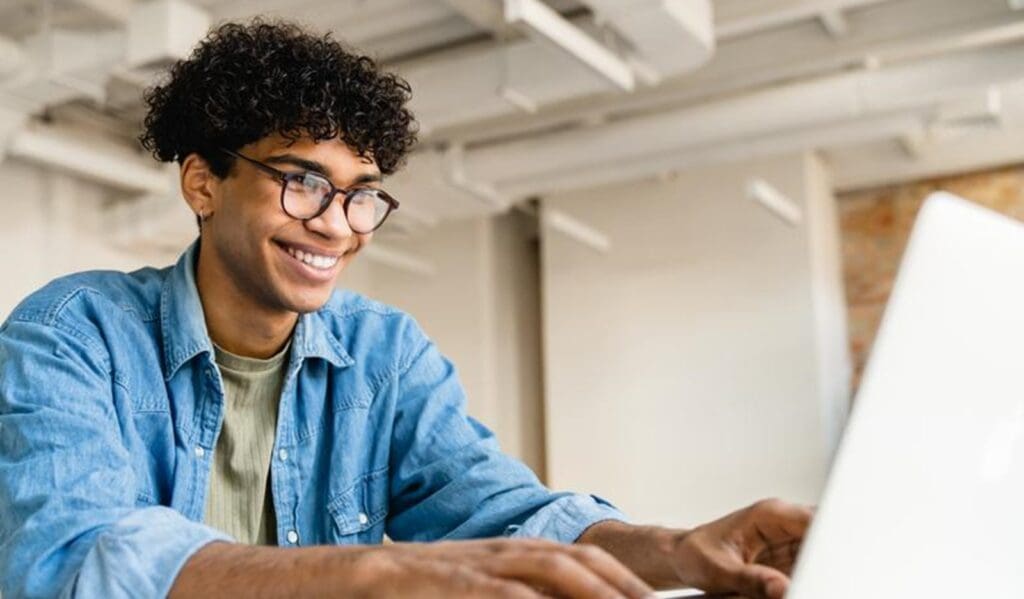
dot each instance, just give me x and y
(210, 421)
(282, 469)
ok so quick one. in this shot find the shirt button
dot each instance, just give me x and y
(362, 518)
(200, 452)
(293, 537)
(283, 454)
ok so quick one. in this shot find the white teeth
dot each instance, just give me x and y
(314, 260)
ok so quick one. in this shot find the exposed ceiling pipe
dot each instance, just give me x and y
(848, 133)
(735, 18)
(91, 160)
(917, 86)
(740, 65)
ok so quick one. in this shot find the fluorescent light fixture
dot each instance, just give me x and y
(775, 201)
(548, 26)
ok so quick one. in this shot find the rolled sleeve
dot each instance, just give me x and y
(566, 518)
(140, 555)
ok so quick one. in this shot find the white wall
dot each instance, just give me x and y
(682, 377)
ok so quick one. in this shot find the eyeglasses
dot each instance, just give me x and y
(306, 195)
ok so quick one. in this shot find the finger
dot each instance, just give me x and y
(612, 571)
(555, 572)
(437, 578)
(780, 520)
(782, 558)
(760, 582)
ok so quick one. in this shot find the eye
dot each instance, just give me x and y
(308, 183)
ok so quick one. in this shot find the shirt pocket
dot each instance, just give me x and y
(358, 513)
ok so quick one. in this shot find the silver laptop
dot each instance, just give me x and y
(926, 496)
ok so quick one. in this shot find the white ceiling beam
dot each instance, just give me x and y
(880, 163)
(546, 25)
(919, 86)
(773, 144)
(897, 31)
(735, 18)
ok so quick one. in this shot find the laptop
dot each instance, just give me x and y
(926, 495)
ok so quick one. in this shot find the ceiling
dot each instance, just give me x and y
(513, 109)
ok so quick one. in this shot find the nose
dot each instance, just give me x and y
(332, 223)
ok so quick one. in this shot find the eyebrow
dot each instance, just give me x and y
(316, 167)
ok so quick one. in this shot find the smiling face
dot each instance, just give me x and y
(259, 255)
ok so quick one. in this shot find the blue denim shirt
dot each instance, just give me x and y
(110, 406)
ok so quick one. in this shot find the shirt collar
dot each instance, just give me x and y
(184, 325)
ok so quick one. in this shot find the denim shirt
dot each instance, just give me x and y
(110, 406)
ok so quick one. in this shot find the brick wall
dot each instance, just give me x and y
(875, 228)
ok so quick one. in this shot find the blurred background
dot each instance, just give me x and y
(655, 236)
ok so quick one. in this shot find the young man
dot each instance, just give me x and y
(235, 426)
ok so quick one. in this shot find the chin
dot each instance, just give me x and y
(308, 302)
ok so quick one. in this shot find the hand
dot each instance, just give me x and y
(513, 568)
(751, 551)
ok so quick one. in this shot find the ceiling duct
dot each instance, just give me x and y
(671, 36)
(547, 26)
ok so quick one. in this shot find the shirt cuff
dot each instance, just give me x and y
(566, 518)
(141, 554)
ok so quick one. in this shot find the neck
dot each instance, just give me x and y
(235, 320)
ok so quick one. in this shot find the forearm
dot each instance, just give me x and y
(646, 550)
(235, 570)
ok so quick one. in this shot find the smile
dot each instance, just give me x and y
(317, 261)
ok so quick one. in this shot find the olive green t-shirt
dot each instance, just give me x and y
(238, 501)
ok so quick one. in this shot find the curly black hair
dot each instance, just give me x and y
(246, 81)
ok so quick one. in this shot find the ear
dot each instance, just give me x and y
(199, 185)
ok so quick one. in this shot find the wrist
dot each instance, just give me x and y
(667, 543)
